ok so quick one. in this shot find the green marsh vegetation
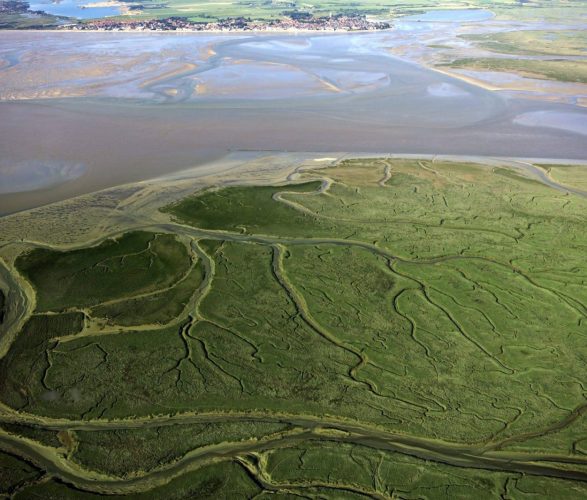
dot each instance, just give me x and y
(21, 20)
(221, 480)
(46, 437)
(131, 451)
(240, 209)
(562, 70)
(380, 328)
(534, 42)
(15, 473)
(573, 176)
(87, 277)
(2, 306)
(541, 54)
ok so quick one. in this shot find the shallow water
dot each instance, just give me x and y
(445, 89)
(75, 8)
(134, 106)
(571, 122)
(16, 177)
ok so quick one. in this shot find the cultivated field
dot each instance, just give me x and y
(260, 9)
(380, 328)
(206, 11)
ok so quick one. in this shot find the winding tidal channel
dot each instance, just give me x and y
(86, 111)
(302, 428)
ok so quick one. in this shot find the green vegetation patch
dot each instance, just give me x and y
(135, 263)
(43, 436)
(356, 469)
(256, 345)
(116, 375)
(570, 440)
(512, 174)
(15, 473)
(244, 209)
(156, 307)
(125, 452)
(15, 21)
(221, 480)
(2, 306)
(205, 11)
(393, 313)
(23, 369)
(534, 42)
(232, 355)
(572, 176)
(388, 302)
(561, 11)
(559, 70)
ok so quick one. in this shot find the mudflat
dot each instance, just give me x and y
(136, 118)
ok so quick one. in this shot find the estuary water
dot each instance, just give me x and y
(123, 107)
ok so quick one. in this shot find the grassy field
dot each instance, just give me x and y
(358, 469)
(159, 307)
(23, 369)
(88, 277)
(46, 437)
(380, 328)
(15, 473)
(258, 9)
(530, 42)
(10, 21)
(236, 209)
(222, 480)
(2, 306)
(129, 452)
(558, 70)
(572, 176)
(206, 11)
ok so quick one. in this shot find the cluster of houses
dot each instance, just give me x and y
(293, 23)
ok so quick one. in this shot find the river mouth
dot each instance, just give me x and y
(167, 102)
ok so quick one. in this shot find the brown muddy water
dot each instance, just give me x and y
(86, 111)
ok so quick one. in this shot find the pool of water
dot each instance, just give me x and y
(73, 8)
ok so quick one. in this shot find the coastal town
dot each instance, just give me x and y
(291, 23)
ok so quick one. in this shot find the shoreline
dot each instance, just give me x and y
(226, 163)
(466, 79)
(202, 32)
(520, 86)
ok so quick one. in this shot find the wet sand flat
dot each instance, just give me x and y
(348, 94)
